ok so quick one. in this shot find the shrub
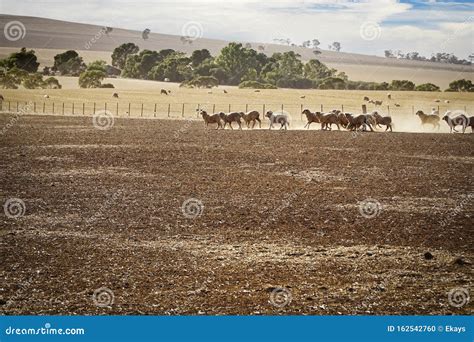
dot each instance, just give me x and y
(201, 82)
(427, 87)
(256, 85)
(107, 85)
(402, 85)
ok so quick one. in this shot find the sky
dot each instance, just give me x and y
(367, 27)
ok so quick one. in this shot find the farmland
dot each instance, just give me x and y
(105, 209)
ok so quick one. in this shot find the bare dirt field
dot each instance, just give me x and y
(104, 209)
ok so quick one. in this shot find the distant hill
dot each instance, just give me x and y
(48, 37)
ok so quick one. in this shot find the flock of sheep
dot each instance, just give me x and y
(335, 117)
(348, 121)
(345, 120)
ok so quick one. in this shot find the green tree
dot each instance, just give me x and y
(461, 85)
(11, 79)
(236, 60)
(427, 87)
(33, 81)
(402, 85)
(69, 63)
(52, 83)
(94, 75)
(122, 52)
(199, 56)
(315, 70)
(25, 59)
(91, 79)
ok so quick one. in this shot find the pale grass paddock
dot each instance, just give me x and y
(138, 93)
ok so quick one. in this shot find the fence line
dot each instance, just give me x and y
(182, 110)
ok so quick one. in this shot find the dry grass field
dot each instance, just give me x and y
(138, 92)
(165, 217)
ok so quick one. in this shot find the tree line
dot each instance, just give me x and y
(236, 64)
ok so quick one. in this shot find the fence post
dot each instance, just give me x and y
(264, 110)
(301, 112)
(213, 108)
(93, 112)
(342, 108)
(116, 111)
(322, 108)
(465, 109)
(198, 109)
(413, 110)
(44, 107)
(73, 108)
(34, 106)
(17, 106)
(388, 109)
(246, 107)
(1, 105)
(63, 108)
(229, 108)
(83, 108)
(282, 107)
(154, 113)
(53, 106)
(129, 109)
(182, 111)
(169, 109)
(438, 109)
(105, 107)
(9, 109)
(141, 113)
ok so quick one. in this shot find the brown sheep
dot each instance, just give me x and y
(311, 117)
(428, 119)
(343, 121)
(357, 122)
(366, 98)
(231, 117)
(163, 92)
(327, 119)
(115, 95)
(383, 120)
(1, 98)
(209, 119)
(252, 116)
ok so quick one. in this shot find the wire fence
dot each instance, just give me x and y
(191, 110)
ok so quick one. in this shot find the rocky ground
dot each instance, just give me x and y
(165, 217)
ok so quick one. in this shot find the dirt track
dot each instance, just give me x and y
(280, 209)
